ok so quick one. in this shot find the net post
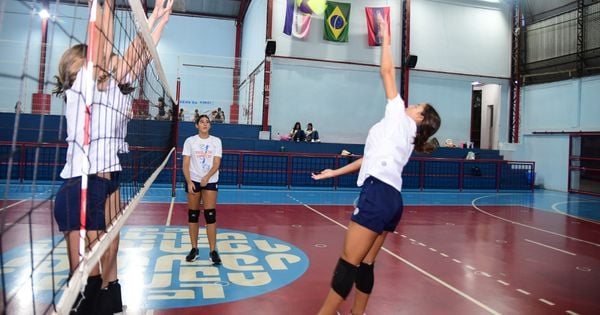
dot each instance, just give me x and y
(176, 136)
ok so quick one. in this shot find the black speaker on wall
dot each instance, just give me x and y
(411, 61)
(270, 48)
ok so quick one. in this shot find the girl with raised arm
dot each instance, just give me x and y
(388, 147)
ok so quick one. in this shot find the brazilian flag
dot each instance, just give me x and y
(337, 17)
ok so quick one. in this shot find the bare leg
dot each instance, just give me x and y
(109, 259)
(357, 244)
(209, 200)
(194, 204)
(73, 239)
(361, 298)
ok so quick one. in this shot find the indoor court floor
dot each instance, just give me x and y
(453, 253)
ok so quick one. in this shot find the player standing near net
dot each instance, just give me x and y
(112, 78)
(388, 147)
(201, 160)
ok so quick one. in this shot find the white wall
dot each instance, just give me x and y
(551, 156)
(565, 106)
(438, 37)
(455, 36)
(204, 61)
(253, 55)
(20, 37)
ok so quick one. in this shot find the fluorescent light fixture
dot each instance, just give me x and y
(44, 14)
(474, 83)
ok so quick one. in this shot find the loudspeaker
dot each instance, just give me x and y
(411, 61)
(270, 49)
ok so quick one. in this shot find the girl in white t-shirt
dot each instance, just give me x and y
(201, 160)
(388, 147)
(110, 105)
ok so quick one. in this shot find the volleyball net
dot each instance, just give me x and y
(119, 121)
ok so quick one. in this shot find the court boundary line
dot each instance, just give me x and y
(170, 215)
(550, 247)
(525, 225)
(555, 205)
(410, 264)
(32, 198)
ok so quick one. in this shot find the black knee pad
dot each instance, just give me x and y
(193, 216)
(365, 278)
(210, 215)
(343, 278)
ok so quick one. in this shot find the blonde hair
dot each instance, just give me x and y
(72, 60)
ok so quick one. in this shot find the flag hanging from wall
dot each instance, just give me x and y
(297, 20)
(337, 19)
(372, 25)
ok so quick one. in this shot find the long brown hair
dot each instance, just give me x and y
(428, 127)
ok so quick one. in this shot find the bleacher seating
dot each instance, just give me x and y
(234, 137)
(254, 162)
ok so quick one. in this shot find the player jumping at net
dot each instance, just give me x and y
(388, 147)
(112, 79)
(201, 160)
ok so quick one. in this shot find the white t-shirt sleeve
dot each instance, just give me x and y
(218, 147)
(187, 150)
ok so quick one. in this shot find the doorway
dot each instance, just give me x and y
(475, 137)
(485, 109)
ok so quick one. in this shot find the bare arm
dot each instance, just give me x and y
(215, 167)
(387, 70)
(137, 55)
(346, 169)
(186, 173)
(101, 46)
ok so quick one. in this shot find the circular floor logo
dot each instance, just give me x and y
(154, 274)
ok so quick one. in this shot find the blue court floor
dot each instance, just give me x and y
(575, 205)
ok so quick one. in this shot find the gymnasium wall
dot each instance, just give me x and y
(565, 106)
(339, 90)
(457, 42)
(204, 60)
(20, 64)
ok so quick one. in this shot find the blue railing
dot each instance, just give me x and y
(285, 169)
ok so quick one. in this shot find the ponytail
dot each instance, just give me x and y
(428, 127)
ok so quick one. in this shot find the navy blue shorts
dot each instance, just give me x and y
(379, 206)
(197, 187)
(67, 203)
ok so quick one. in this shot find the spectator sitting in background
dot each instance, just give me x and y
(311, 134)
(161, 109)
(196, 115)
(181, 115)
(297, 134)
(218, 116)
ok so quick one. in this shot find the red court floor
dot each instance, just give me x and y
(443, 259)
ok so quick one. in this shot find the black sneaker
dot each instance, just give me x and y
(214, 256)
(192, 255)
(114, 288)
(86, 303)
